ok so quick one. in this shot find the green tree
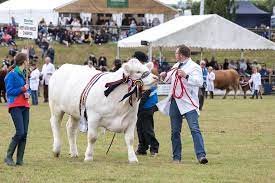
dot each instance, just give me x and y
(1, 1)
(224, 8)
(266, 5)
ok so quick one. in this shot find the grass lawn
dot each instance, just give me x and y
(79, 53)
(239, 138)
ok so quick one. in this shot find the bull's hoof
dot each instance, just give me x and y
(88, 159)
(74, 155)
(132, 162)
(56, 154)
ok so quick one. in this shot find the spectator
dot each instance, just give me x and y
(44, 47)
(51, 53)
(47, 71)
(225, 64)
(116, 65)
(243, 66)
(34, 83)
(204, 85)
(232, 65)
(13, 50)
(264, 72)
(32, 55)
(25, 50)
(133, 28)
(210, 82)
(213, 63)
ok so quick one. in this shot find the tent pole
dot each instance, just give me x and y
(160, 55)
(117, 52)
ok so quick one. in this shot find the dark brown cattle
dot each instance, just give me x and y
(3, 73)
(227, 80)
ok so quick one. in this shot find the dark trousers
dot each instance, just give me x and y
(201, 97)
(45, 88)
(145, 131)
(20, 117)
(255, 93)
(34, 97)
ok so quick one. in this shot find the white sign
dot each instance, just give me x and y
(273, 10)
(28, 29)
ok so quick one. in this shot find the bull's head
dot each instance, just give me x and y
(137, 71)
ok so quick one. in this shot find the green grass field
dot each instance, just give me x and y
(239, 138)
(79, 53)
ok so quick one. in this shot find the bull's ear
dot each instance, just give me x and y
(126, 68)
(150, 65)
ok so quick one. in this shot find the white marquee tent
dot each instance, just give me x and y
(199, 31)
(35, 9)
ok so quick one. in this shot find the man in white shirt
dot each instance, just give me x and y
(182, 101)
(47, 71)
(34, 84)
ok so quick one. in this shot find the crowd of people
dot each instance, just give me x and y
(75, 30)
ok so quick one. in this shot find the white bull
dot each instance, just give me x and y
(65, 89)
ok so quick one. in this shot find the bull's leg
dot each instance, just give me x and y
(72, 128)
(129, 139)
(55, 124)
(244, 94)
(91, 136)
(226, 93)
(235, 92)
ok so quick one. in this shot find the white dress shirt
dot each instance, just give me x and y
(47, 71)
(189, 100)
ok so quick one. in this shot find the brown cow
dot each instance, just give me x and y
(244, 85)
(227, 80)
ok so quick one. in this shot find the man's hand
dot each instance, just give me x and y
(163, 75)
(181, 73)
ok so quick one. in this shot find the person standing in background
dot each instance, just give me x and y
(34, 84)
(47, 71)
(204, 86)
(210, 82)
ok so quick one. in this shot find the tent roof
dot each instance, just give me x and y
(32, 4)
(199, 31)
(100, 6)
(247, 7)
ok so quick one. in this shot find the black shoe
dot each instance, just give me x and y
(139, 153)
(153, 154)
(8, 160)
(203, 160)
(20, 153)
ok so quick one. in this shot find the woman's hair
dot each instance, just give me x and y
(20, 58)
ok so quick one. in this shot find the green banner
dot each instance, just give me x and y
(117, 3)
